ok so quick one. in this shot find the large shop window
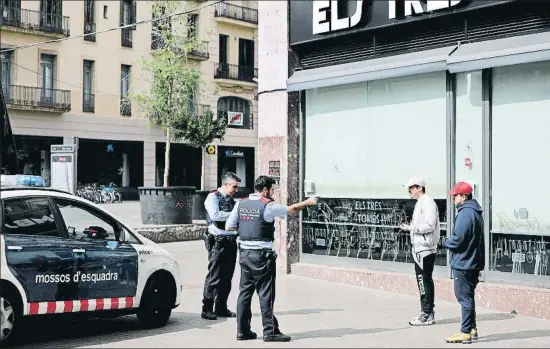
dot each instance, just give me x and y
(362, 143)
(520, 227)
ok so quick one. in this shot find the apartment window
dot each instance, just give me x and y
(89, 20)
(47, 70)
(127, 16)
(88, 98)
(51, 14)
(11, 14)
(223, 48)
(159, 27)
(246, 59)
(192, 22)
(125, 104)
(236, 111)
(5, 60)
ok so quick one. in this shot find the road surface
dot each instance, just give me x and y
(315, 313)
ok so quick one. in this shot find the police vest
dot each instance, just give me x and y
(225, 204)
(252, 225)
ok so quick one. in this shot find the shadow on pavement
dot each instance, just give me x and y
(66, 333)
(514, 335)
(479, 317)
(300, 312)
(340, 332)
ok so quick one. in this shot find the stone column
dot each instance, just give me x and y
(274, 128)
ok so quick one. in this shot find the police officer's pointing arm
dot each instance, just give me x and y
(273, 210)
(232, 222)
(211, 204)
(296, 208)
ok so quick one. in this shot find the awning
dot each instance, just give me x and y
(374, 69)
(500, 52)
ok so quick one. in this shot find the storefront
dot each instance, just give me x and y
(239, 160)
(447, 91)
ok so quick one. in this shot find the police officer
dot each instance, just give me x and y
(254, 219)
(222, 249)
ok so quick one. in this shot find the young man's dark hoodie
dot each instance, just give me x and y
(466, 242)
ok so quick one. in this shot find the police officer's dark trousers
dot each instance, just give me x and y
(465, 285)
(258, 273)
(222, 257)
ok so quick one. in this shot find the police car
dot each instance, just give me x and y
(61, 254)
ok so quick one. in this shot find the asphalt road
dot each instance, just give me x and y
(315, 313)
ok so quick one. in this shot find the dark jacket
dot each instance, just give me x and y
(466, 243)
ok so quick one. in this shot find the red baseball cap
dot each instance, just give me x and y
(461, 188)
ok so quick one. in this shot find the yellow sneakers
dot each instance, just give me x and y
(464, 338)
(474, 334)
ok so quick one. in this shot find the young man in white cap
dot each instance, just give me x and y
(424, 232)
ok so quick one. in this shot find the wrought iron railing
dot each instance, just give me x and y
(35, 20)
(89, 28)
(37, 97)
(126, 37)
(88, 102)
(239, 13)
(235, 72)
(125, 107)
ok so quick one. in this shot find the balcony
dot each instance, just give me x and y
(35, 22)
(248, 120)
(37, 98)
(126, 37)
(89, 28)
(239, 76)
(200, 53)
(236, 14)
(88, 103)
(125, 107)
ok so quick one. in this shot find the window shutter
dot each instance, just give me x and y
(122, 12)
(133, 13)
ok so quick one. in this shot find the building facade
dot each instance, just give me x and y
(75, 90)
(381, 91)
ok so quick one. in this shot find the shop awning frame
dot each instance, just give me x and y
(456, 59)
(501, 52)
(375, 69)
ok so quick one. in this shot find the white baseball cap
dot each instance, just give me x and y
(415, 181)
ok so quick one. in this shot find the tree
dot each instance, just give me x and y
(170, 99)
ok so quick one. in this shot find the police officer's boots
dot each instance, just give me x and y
(208, 309)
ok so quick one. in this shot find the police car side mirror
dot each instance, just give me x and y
(121, 234)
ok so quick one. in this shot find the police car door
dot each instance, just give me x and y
(36, 252)
(107, 268)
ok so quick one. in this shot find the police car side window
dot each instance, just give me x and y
(85, 223)
(29, 216)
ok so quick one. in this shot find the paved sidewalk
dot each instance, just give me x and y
(315, 313)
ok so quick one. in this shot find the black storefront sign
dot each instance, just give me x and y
(313, 20)
(364, 228)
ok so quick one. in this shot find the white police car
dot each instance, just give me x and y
(63, 254)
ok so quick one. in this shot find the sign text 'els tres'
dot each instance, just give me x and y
(326, 19)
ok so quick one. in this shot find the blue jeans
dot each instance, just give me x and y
(465, 285)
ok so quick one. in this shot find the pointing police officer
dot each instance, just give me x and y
(222, 249)
(254, 219)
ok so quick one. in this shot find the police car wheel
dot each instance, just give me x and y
(10, 315)
(154, 311)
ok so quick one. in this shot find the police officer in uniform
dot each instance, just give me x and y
(254, 219)
(222, 249)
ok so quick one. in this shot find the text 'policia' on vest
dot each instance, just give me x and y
(226, 204)
(252, 225)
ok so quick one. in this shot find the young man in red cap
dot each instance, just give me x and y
(467, 247)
